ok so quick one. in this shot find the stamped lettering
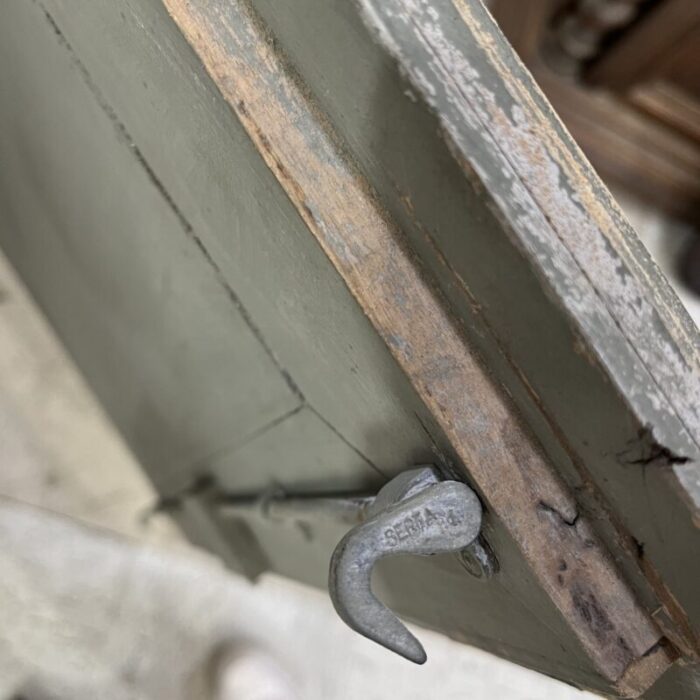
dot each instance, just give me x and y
(417, 522)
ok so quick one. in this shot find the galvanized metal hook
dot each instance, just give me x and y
(413, 514)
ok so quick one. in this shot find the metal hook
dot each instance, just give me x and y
(415, 513)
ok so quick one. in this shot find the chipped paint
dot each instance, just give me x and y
(554, 214)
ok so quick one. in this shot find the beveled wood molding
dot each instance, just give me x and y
(340, 209)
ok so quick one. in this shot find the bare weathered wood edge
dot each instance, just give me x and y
(370, 255)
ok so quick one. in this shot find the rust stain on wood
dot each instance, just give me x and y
(371, 255)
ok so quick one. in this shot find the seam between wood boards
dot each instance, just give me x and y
(125, 137)
(201, 464)
(322, 183)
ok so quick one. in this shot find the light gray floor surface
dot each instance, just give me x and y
(96, 603)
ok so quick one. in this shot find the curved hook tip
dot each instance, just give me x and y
(443, 517)
(402, 642)
(417, 654)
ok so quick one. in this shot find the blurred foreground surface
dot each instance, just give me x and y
(98, 602)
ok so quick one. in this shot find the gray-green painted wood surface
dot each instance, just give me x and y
(143, 110)
(137, 301)
(208, 166)
(203, 312)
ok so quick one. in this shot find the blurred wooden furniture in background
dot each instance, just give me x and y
(313, 244)
(624, 77)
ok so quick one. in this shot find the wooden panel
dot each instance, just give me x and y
(302, 452)
(117, 268)
(207, 164)
(283, 278)
(605, 398)
(569, 400)
(596, 226)
(670, 105)
(654, 66)
(663, 43)
(367, 251)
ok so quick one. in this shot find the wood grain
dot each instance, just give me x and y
(364, 245)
